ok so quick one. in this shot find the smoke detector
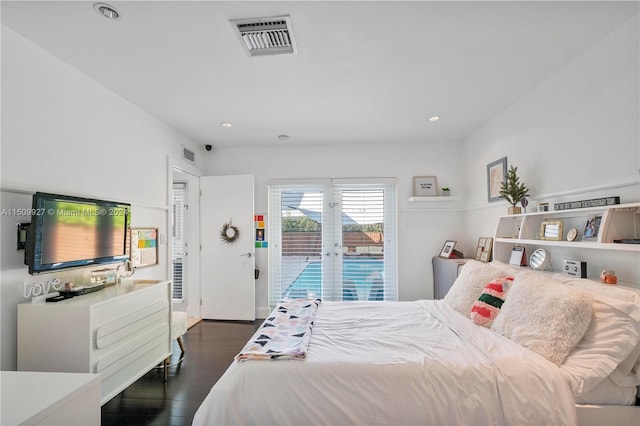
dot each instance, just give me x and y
(265, 36)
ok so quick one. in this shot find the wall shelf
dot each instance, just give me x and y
(418, 199)
(574, 244)
(621, 221)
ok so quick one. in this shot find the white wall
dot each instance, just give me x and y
(423, 227)
(64, 133)
(574, 137)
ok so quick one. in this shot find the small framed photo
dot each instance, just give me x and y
(496, 176)
(447, 249)
(424, 186)
(592, 227)
(551, 230)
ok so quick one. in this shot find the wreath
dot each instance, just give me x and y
(229, 233)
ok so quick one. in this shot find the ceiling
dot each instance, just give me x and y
(364, 72)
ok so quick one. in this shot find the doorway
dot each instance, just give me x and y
(184, 250)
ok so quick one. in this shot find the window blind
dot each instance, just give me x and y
(178, 232)
(335, 239)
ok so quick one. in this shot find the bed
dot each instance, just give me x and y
(427, 362)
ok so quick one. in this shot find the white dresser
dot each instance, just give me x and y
(33, 398)
(120, 332)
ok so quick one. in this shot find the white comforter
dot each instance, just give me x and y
(399, 363)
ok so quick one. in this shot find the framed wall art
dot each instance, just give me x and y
(424, 186)
(496, 176)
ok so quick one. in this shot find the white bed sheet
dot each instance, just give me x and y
(400, 363)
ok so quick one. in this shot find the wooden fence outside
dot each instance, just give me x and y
(310, 243)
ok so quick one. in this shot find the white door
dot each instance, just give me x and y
(227, 267)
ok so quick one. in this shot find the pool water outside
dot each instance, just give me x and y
(358, 276)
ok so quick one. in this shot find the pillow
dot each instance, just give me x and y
(466, 289)
(488, 305)
(507, 269)
(610, 347)
(544, 316)
(618, 292)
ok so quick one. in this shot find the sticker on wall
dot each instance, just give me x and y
(261, 236)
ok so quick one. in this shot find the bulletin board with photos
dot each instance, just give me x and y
(483, 251)
(144, 247)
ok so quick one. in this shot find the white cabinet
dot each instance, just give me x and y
(617, 222)
(33, 398)
(120, 332)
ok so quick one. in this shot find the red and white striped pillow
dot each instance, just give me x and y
(488, 305)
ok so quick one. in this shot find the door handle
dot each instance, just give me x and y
(247, 254)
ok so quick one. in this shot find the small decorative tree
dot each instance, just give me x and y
(513, 190)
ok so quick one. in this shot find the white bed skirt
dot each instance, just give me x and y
(599, 415)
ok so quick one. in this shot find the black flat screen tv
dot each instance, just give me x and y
(70, 232)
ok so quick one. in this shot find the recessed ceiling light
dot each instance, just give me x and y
(226, 124)
(283, 137)
(434, 118)
(107, 11)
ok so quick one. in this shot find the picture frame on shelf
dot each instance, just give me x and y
(478, 253)
(518, 256)
(425, 186)
(496, 176)
(592, 227)
(447, 249)
(551, 230)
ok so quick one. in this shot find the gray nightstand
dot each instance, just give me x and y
(445, 272)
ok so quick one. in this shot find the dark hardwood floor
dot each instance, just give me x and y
(210, 347)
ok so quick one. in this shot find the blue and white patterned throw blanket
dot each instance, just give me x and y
(285, 334)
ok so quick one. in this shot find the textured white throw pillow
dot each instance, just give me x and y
(611, 346)
(544, 315)
(466, 289)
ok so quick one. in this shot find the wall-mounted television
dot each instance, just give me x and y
(70, 232)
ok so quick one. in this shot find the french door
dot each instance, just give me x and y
(333, 239)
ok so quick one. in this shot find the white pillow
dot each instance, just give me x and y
(544, 316)
(611, 345)
(507, 269)
(618, 292)
(466, 289)
(627, 373)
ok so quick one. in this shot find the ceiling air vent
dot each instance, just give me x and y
(188, 155)
(265, 36)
